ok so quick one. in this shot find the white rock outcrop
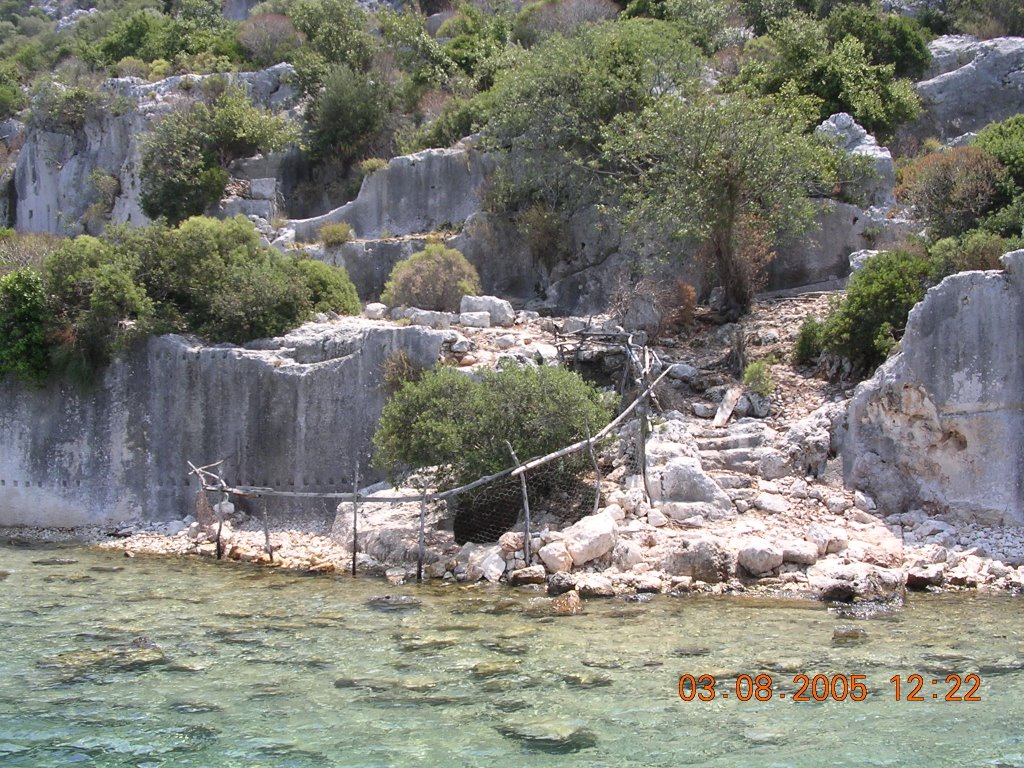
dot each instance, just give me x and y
(498, 310)
(877, 188)
(941, 423)
(52, 176)
(971, 84)
(413, 194)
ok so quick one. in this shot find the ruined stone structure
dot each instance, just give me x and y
(294, 413)
(941, 424)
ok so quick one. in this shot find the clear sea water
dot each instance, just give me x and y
(114, 662)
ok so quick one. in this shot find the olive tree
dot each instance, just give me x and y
(733, 175)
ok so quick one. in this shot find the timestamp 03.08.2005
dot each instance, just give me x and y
(762, 687)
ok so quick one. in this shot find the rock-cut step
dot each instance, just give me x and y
(733, 460)
(729, 441)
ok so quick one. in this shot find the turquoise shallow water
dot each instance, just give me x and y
(190, 663)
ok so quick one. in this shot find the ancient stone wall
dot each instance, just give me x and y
(941, 425)
(294, 414)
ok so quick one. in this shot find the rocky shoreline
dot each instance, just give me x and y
(756, 506)
(826, 545)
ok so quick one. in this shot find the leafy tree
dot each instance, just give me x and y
(545, 116)
(733, 176)
(98, 304)
(25, 325)
(435, 278)
(887, 38)
(542, 18)
(764, 14)
(476, 38)
(419, 54)
(11, 100)
(140, 34)
(269, 38)
(460, 425)
(336, 30)
(798, 54)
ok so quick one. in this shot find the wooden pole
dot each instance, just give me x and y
(355, 516)
(419, 549)
(526, 504)
(597, 470)
(266, 531)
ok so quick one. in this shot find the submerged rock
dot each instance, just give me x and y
(393, 602)
(549, 736)
(568, 604)
(55, 561)
(141, 653)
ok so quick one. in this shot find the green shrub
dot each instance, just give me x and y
(460, 425)
(952, 189)
(63, 109)
(371, 165)
(977, 249)
(1005, 142)
(97, 300)
(336, 30)
(24, 249)
(808, 346)
(842, 76)
(888, 39)
(336, 234)
(184, 159)
(330, 289)
(435, 278)
(349, 111)
(215, 278)
(757, 377)
(868, 322)
(25, 323)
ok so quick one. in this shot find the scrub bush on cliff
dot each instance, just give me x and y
(460, 425)
(184, 160)
(435, 278)
(98, 305)
(865, 326)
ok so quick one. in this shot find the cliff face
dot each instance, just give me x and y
(52, 186)
(414, 194)
(941, 424)
(294, 414)
(971, 84)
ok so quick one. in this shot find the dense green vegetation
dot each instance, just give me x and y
(460, 425)
(972, 201)
(90, 297)
(663, 115)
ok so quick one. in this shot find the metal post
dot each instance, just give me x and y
(355, 515)
(419, 551)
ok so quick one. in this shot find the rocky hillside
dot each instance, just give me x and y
(693, 182)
